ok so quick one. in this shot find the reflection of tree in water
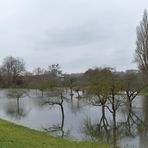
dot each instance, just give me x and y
(100, 101)
(94, 132)
(101, 132)
(110, 135)
(76, 105)
(57, 100)
(14, 109)
(107, 132)
(133, 126)
(144, 134)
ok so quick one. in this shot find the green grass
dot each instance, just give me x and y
(144, 92)
(14, 136)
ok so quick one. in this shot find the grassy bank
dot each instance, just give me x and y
(14, 136)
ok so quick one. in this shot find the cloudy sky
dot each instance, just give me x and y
(77, 34)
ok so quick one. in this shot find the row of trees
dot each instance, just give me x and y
(14, 74)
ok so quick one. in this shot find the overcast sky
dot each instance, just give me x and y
(77, 34)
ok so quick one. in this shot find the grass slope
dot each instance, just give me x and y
(14, 136)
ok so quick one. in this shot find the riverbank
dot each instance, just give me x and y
(15, 136)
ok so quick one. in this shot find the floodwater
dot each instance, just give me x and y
(78, 120)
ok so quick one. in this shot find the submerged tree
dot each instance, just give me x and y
(69, 84)
(16, 94)
(132, 85)
(56, 98)
(99, 90)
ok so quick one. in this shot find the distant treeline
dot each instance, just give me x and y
(14, 74)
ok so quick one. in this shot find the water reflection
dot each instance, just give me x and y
(144, 134)
(59, 115)
(14, 109)
(133, 125)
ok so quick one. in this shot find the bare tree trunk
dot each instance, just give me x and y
(18, 106)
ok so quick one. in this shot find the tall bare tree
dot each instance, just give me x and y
(141, 55)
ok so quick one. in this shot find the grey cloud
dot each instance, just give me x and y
(71, 37)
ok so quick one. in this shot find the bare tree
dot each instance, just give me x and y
(12, 68)
(54, 69)
(141, 53)
(132, 85)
